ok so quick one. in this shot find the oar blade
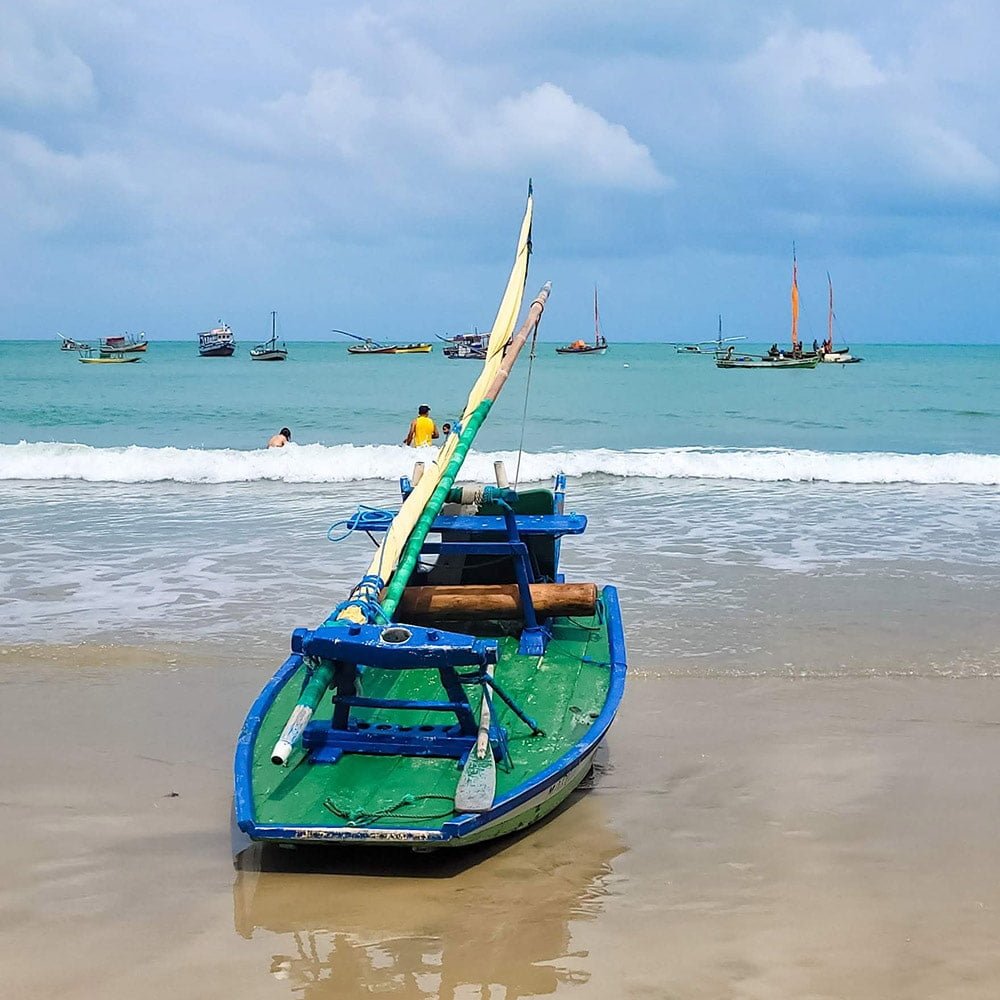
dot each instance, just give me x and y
(477, 786)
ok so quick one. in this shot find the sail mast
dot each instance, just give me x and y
(829, 321)
(597, 327)
(795, 299)
(396, 556)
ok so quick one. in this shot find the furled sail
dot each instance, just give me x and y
(381, 588)
(387, 556)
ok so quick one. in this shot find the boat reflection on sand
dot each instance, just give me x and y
(448, 924)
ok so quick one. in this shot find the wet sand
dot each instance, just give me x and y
(743, 837)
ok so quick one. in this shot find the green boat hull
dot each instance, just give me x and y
(571, 693)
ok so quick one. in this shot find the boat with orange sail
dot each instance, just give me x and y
(775, 357)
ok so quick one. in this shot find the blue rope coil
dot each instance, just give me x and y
(365, 518)
(364, 597)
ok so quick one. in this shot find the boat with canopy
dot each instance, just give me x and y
(466, 346)
(218, 342)
(600, 344)
(126, 344)
(461, 689)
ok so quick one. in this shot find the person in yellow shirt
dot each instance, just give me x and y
(422, 429)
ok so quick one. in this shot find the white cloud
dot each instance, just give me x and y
(45, 190)
(791, 58)
(36, 73)
(547, 126)
(945, 157)
(542, 127)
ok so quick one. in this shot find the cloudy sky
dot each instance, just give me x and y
(165, 164)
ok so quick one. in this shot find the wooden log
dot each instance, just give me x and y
(502, 600)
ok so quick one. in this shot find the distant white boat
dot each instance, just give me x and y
(269, 350)
(829, 354)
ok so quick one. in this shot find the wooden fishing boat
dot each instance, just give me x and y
(88, 358)
(369, 346)
(793, 360)
(124, 345)
(446, 704)
(466, 346)
(217, 342)
(828, 353)
(269, 350)
(717, 344)
(69, 344)
(600, 344)
(727, 360)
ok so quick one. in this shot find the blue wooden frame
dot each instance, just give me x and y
(350, 647)
(535, 634)
(463, 825)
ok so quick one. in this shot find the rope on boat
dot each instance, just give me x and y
(365, 519)
(365, 597)
(362, 817)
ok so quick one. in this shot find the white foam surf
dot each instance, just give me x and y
(350, 463)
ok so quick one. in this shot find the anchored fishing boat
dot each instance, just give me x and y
(830, 354)
(461, 690)
(732, 360)
(123, 345)
(69, 344)
(269, 350)
(775, 358)
(466, 346)
(217, 342)
(88, 358)
(369, 346)
(599, 346)
(696, 348)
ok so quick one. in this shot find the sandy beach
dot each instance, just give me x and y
(742, 837)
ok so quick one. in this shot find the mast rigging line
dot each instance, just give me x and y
(524, 414)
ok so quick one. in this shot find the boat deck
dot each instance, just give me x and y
(417, 793)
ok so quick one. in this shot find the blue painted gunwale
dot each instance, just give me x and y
(464, 825)
(481, 524)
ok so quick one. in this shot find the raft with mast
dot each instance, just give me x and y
(460, 691)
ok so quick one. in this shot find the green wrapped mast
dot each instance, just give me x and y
(322, 676)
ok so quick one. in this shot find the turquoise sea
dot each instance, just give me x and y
(138, 499)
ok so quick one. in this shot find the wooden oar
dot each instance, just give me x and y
(477, 786)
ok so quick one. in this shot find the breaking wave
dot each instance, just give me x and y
(343, 463)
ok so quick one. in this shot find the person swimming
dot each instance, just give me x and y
(280, 439)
